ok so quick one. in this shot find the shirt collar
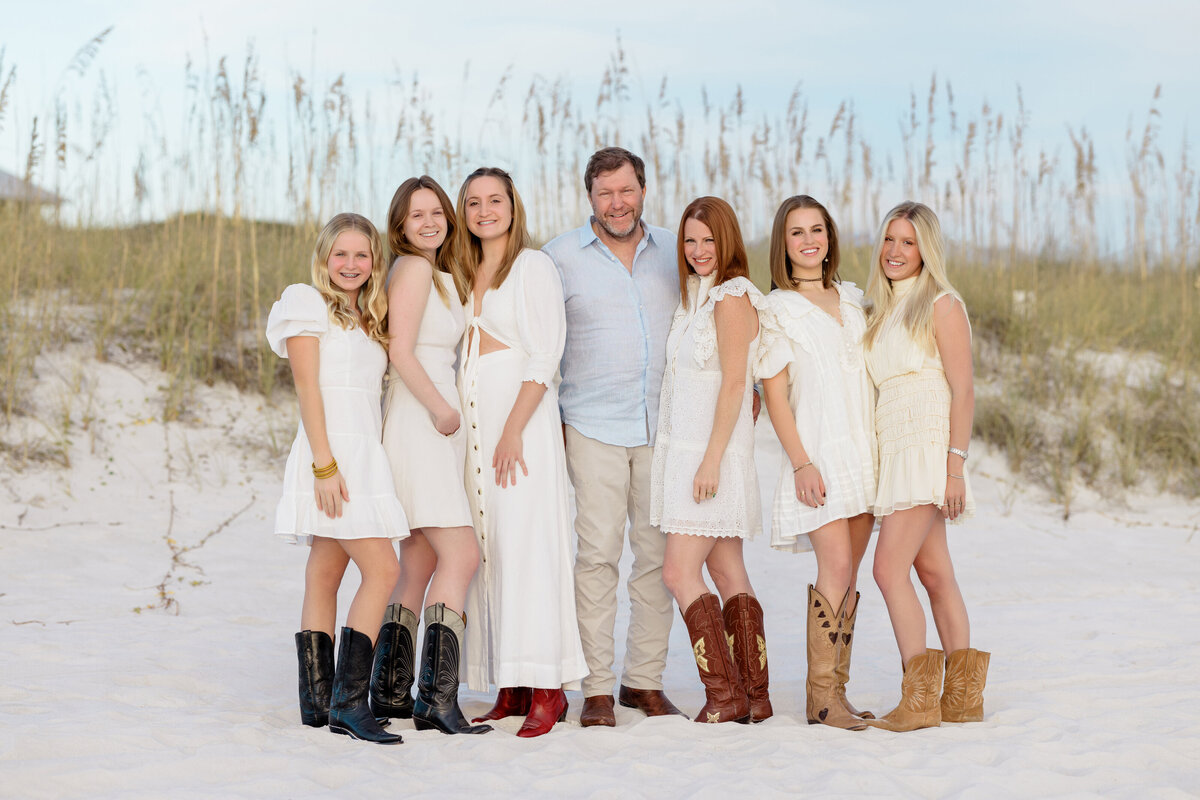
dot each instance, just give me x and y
(587, 235)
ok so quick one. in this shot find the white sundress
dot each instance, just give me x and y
(350, 377)
(833, 401)
(427, 466)
(685, 418)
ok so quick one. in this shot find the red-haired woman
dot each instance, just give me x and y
(704, 490)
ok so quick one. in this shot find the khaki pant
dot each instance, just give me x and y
(612, 486)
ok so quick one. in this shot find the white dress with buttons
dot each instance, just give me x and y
(521, 624)
(833, 401)
(350, 376)
(426, 465)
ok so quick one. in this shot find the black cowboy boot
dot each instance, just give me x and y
(392, 672)
(314, 652)
(349, 712)
(437, 689)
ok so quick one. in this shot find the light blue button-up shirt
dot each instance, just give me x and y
(617, 326)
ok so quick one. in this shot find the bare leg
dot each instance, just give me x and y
(322, 577)
(418, 560)
(860, 537)
(936, 573)
(900, 539)
(682, 566)
(376, 562)
(457, 557)
(831, 544)
(727, 568)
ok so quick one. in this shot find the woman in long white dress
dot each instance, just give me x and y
(918, 351)
(334, 335)
(822, 405)
(704, 488)
(524, 637)
(426, 448)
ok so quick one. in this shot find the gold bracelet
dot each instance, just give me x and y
(948, 475)
(328, 471)
(802, 466)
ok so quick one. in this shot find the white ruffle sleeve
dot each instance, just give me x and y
(541, 317)
(299, 311)
(706, 329)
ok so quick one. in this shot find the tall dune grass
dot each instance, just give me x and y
(170, 257)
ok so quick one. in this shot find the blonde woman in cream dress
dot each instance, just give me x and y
(918, 351)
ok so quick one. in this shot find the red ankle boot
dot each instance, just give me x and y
(512, 702)
(547, 707)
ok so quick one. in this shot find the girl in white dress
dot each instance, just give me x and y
(426, 448)
(821, 403)
(523, 636)
(918, 351)
(334, 335)
(704, 489)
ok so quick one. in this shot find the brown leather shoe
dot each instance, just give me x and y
(598, 710)
(651, 702)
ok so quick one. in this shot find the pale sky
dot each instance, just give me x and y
(1083, 64)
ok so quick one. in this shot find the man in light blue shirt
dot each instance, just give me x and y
(621, 287)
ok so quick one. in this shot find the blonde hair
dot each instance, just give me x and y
(399, 246)
(781, 265)
(372, 297)
(917, 313)
(468, 251)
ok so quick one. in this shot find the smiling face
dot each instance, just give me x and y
(699, 247)
(425, 224)
(350, 262)
(900, 257)
(489, 210)
(806, 241)
(617, 200)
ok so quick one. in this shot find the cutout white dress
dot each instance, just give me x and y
(521, 624)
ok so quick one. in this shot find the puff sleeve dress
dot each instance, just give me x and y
(833, 400)
(350, 377)
(912, 416)
(685, 418)
(522, 627)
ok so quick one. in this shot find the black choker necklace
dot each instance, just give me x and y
(808, 280)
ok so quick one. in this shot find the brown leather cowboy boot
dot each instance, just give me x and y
(920, 691)
(725, 699)
(824, 638)
(966, 674)
(843, 662)
(744, 622)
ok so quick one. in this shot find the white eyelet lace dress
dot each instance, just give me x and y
(521, 624)
(350, 377)
(912, 417)
(833, 400)
(685, 418)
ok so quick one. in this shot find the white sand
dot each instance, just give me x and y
(1094, 626)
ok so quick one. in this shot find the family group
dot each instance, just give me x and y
(619, 362)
